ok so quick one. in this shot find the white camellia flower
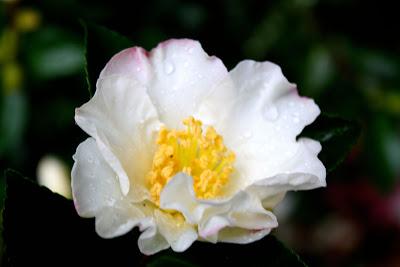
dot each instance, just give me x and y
(185, 150)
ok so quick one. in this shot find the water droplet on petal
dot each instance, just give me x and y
(92, 187)
(248, 134)
(270, 112)
(168, 68)
(110, 201)
(296, 118)
(245, 135)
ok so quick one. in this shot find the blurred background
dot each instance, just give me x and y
(344, 54)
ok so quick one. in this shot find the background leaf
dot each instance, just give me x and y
(384, 143)
(12, 123)
(336, 135)
(269, 251)
(41, 228)
(54, 53)
(101, 44)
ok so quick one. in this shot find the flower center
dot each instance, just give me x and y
(202, 156)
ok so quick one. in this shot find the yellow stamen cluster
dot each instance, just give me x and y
(202, 156)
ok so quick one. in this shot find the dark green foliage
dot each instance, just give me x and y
(337, 137)
(42, 228)
(101, 44)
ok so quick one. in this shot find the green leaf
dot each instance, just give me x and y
(318, 71)
(165, 260)
(269, 251)
(42, 228)
(53, 53)
(384, 152)
(13, 117)
(101, 44)
(336, 135)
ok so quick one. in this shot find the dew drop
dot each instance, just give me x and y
(168, 68)
(92, 187)
(296, 118)
(248, 134)
(270, 112)
(110, 201)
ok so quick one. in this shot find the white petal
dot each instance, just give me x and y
(97, 193)
(270, 201)
(185, 201)
(183, 76)
(122, 119)
(165, 230)
(132, 62)
(266, 116)
(151, 241)
(304, 173)
(118, 219)
(178, 75)
(241, 236)
(242, 210)
(215, 108)
(94, 185)
(178, 233)
(215, 225)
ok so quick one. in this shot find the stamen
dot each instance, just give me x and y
(204, 157)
